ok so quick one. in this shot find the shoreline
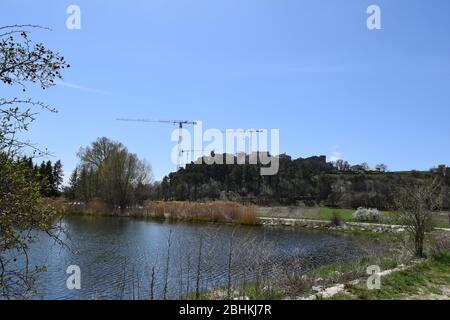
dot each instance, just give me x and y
(310, 224)
(420, 279)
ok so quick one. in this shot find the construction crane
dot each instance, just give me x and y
(180, 124)
(251, 131)
(188, 152)
(251, 137)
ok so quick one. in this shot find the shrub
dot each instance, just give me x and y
(97, 206)
(364, 214)
(439, 244)
(295, 284)
(336, 219)
(58, 204)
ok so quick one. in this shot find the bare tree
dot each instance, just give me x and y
(414, 205)
(99, 151)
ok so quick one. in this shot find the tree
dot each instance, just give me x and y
(21, 207)
(44, 178)
(23, 62)
(57, 178)
(22, 211)
(341, 165)
(414, 205)
(49, 179)
(381, 167)
(82, 186)
(120, 175)
(99, 151)
(109, 171)
(71, 190)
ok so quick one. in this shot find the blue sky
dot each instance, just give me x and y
(309, 68)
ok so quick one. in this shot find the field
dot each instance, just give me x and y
(441, 219)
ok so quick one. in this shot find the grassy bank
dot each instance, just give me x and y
(294, 284)
(427, 279)
(430, 279)
(403, 276)
(440, 219)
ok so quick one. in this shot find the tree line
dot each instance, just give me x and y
(48, 175)
(109, 172)
(311, 181)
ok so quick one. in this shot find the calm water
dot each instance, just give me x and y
(117, 255)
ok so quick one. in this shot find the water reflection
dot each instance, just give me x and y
(123, 258)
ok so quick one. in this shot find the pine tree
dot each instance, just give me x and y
(57, 174)
(49, 179)
(71, 191)
(42, 179)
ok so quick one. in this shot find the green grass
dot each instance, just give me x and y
(249, 290)
(441, 219)
(421, 280)
(345, 215)
(329, 271)
(441, 223)
(326, 213)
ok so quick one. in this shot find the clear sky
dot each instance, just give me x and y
(307, 67)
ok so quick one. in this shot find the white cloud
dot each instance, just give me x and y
(335, 156)
(80, 87)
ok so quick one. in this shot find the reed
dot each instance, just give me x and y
(212, 211)
(216, 211)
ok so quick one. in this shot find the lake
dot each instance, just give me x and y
(124, 258)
